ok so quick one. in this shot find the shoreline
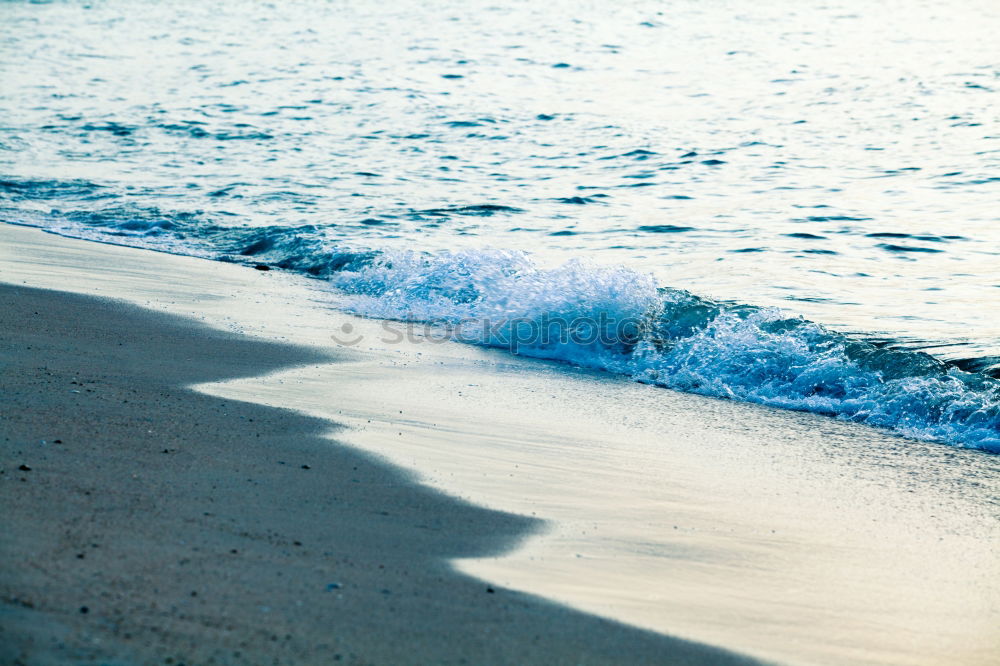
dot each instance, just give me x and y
(786, 536)
(159, 523)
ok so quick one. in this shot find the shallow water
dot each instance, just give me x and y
(836, 160)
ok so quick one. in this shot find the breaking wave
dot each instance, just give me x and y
(609, 318)
(621, 321)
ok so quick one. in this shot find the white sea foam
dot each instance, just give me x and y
(618, 320)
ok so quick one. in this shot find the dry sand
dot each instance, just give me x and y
(143, 522)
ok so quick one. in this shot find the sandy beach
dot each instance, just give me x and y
(376, 492)
(146, 523)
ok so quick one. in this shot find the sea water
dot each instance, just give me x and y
(785, 203)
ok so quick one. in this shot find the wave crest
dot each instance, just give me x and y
(617, 320)
(609, 318)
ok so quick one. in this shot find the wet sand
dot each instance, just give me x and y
(786, 536)
(144, 522)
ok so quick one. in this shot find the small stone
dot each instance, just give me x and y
(333, 586)
(262, 267)
(490, 590)
(84, 610)
(306, 467)
(57, 441)
(24, 468)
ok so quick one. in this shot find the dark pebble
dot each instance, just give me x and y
(490, 590)
(24, 468)
(84, 610)
(306, 467)
(262, 267)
